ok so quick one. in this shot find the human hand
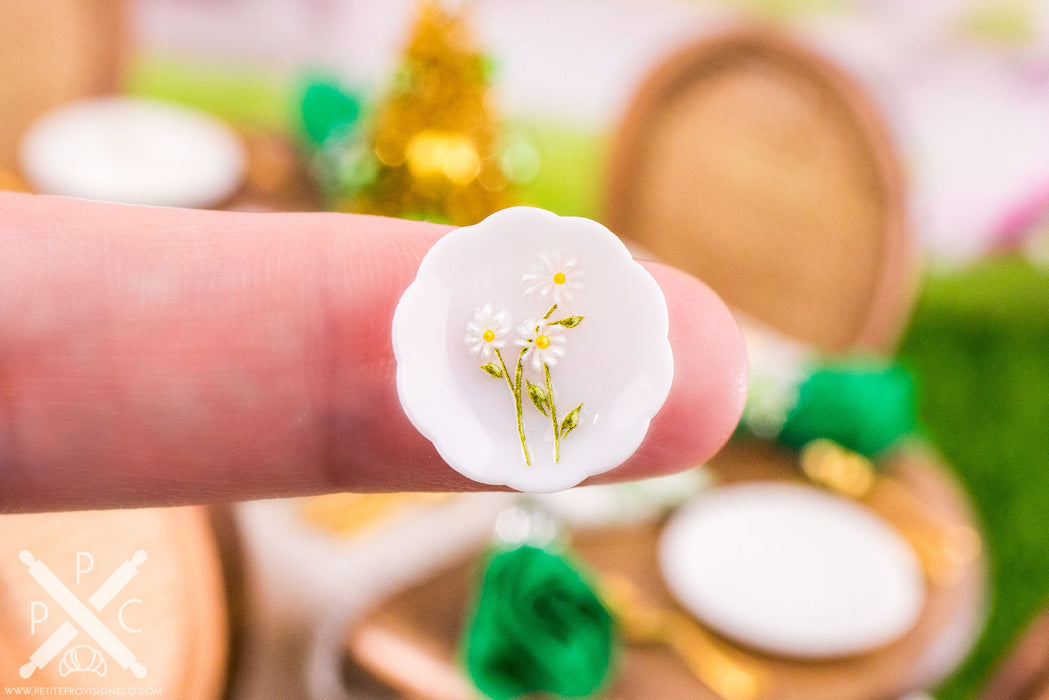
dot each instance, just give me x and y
(161, 356)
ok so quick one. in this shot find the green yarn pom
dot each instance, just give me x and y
(327, 109)
(537, 627)
(863, 407)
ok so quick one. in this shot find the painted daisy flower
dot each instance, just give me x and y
(553, 277)
(486, 332)
(544, 342)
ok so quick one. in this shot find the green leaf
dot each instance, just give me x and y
(570, 421)
(493, 369)
(568, 322)
(538, 396)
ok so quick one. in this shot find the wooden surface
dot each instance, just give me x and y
(50, 53)
(1024, 674)
(181, 613)
(765, 172)
(418, 630)
(276, 176)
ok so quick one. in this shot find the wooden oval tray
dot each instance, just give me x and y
(1024, 673)
(53, 52)
(410, 642)
(176, 600)
(759, 168)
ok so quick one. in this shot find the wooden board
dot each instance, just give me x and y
(410, 642)
(765, 172)
(53, 52)
(177, 598)
(1024, 673)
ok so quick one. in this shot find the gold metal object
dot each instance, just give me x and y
(945, 550)
(349, 514)
(10, 181)
(729, 674)
(435, 137)
(846, 472)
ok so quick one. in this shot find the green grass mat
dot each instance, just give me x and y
(572, 170)
(247, 96)
(979, 344)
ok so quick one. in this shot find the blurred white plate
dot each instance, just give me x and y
(133, 151)
(792, 570)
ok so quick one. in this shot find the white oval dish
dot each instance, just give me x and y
(133, 151)
(611, 354)
(792, 570)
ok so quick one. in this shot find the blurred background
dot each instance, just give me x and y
(866, 182)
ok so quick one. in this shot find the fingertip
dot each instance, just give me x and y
(710, 381)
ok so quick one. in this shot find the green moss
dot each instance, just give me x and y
(537, 628)
(979, 343)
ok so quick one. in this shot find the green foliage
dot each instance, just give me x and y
(538, 396)
(568, 321)
(570, 421)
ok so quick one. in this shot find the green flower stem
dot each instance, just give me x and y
(515, 389)
(553, 414)
(517, 405)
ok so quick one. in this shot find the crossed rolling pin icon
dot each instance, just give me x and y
(82, 615)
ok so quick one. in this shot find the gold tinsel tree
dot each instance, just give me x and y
(435, 138)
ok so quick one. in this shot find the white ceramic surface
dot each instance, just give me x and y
(502, 275)
(626, 503)
(792, 570)
(132, 151)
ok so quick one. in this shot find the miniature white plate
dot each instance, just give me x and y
(475, 314)
(133, 151)
(792, 570)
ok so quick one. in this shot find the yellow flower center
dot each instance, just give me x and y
(542, 342)
(488, 335)
(559, 278)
